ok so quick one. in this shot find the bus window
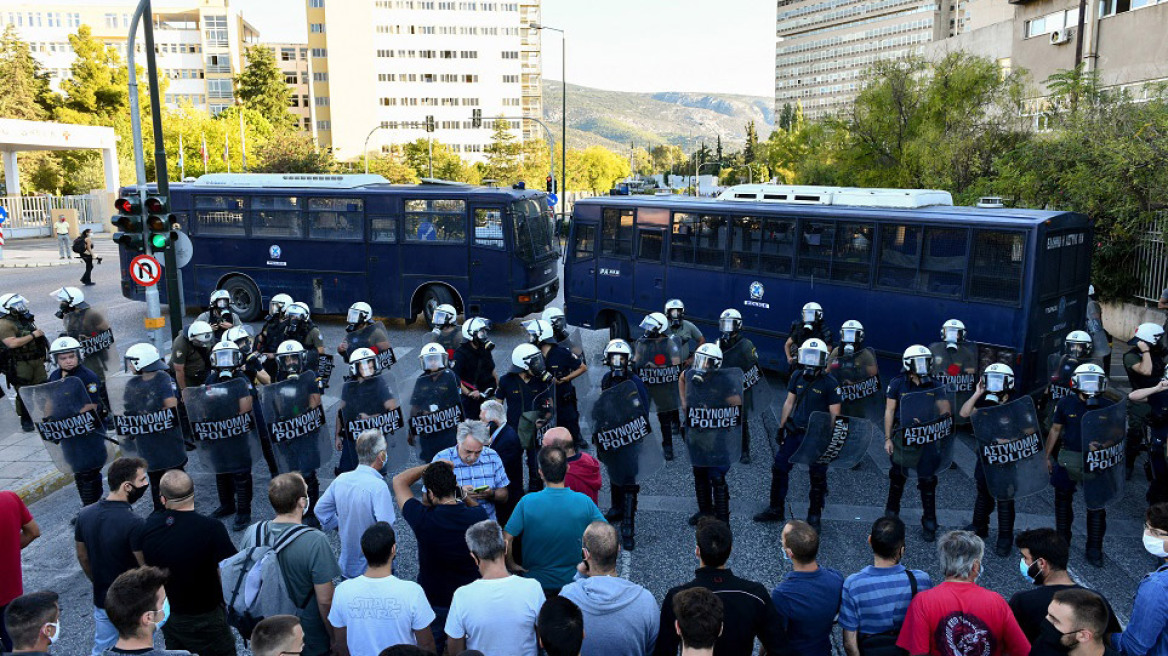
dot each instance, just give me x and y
(616, 230)
(489, 227)
(276, 216)
(435, 220)
(534, 236)
(943, 262)
(853, 253)
(900, 252)
(699, 240)
(997, 266)
(651, 246)
(383, 229)
(336, 218)
(585, 242)
(219, 216)
(778, 247)
(815, 247)
(745, 241)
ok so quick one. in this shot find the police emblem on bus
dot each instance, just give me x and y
(274, 251)
(756, 290)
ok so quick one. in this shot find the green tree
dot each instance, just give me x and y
(290, 153)
(749, 151)
(26, 92)
(97, 92)
(503, 155)
(393, 167)
(261, 87)
(596, 168)
(447, 164)
(786, 117)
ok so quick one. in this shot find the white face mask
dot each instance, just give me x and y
(56, 631)
(1155, 546)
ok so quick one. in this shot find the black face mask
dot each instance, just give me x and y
(1051, 637)
(136, 493)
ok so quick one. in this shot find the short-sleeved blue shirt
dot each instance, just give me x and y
(552, 523)
(1069, 414)
(902, 385)
(813, 394)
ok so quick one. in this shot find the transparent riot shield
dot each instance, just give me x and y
(534, 423)
(294, 416)
(658, 363)
(99, 354)
(956, 368)
(574, 342)
(759, 399)
(374, 336)
(858, 375)
(923, 444)
(223, 426)
(713, 416)
(435, 412)
(325, 364)
(1103, 456)
(1010, 446)
(448, 338)
(1100, 343)
(145, 417)
(841, 443)
(70, 424)
(625, 443)
(372, 403)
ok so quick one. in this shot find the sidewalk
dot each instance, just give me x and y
(43, 252)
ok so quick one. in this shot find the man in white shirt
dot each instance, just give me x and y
(497, 613)
(478, 467)
(64, 243)
(356, 500)
(379, 610)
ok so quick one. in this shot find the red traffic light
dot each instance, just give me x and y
(155, 205)
(124, 205)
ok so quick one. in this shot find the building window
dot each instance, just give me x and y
(318, 53)
(316, 28)
(215, 30)
(219, 88)
(287, 54)
(322, 101)
(290, 78)
(324, 125)
(111, 20)
(510, 54)
(218, 64)
(320, 76)
(316, 4)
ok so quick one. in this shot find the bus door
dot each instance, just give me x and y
(649, 281)
(614, 272)
(489, 265)
(383, 265)
(580, 270)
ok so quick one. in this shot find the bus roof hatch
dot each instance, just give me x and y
(847, 196)
(288, 180)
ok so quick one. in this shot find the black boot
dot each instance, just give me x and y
(745, 459)
(155, 489)
(1096, 528)
(1064, 513)
(896, 482)
(1005, 528)
(816, 499)
(774, 511)
(721, 499)
(225, 488)
(617, 511)
(89, 492)
(666, 421)
(628, 527)
(243, 492)
(928, 488)
(982, 507)
(534, 482)
(313, 496)
(704, 494)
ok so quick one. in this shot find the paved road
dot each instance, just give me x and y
(664, 555)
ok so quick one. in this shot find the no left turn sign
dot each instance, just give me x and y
(145, 270)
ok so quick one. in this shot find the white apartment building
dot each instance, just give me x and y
(384, 66)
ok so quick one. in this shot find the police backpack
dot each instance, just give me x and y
(254, 584)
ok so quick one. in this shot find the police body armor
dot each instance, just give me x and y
(713, 416)
(34, 350)
(534, 423)
(294, 414)
(223, 426)
(759, 399)
(956, 368)
(860, 392)
(1104, 431)
(923, 443)
(145, 426)
(435, 411)
(70, 424)
(375, 337)
(658, 363)
(99, 354)
(1011, 449)
(625, 443)
(372, 403)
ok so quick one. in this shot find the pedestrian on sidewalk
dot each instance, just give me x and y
(61, 229)
(87, 257)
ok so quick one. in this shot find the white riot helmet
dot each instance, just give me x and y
(220, 299)
(708, 356)
(674, 311)
(14, 304)
(242, 337)
(618, 355)
(998, 379)
(65, 346)
(290, 356)
(1078, 344)
(69, 297)
(555, 316)
(953, 332)
(654, 324)
(444, 315)
(142, 358)
(918, 360)
(813, 354)
(476, 330)
(433, 357)
(812, 313)
(1152, 333)
(359, 313)
(528, 358)
(363, 363)
(1089, 379)
(297, 315)
(852, 332)
(226, 355)
(278, 305)
(730, 321)
(200, 333)
(539, 331)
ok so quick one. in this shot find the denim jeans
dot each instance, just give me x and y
(104, 633)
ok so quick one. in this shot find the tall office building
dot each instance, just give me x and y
(380, 68)
(292, 60)
(199, 46)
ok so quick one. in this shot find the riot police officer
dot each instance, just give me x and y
(854, 367)
(564, 367)
(234, 490)
(474, 365)
(28, 348)
(996, 387)
(446, 328)
(658, 359)
(219, 313)
(65, 354)
(1077, 347)
(151, 388)
(255, 369)
(738, 351)
(272, 333)
(687, 334)
(809, 325)
(555, 316)
(1156, 397)
(363, 365)
(358, 319)
(301, 329)
(811, 389)
(86, 324)
(528, 392)
(710, 486)
(436, 404)
(191, 355)
(1145, 366)
(618, 357)
(293, 362)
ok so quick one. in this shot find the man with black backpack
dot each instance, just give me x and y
(297, 567)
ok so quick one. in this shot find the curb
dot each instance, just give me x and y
(34, 265)
(42, 487)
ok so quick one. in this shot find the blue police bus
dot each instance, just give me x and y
(332, 240)
(899, 261)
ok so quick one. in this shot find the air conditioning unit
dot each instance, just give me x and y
(1059, 37)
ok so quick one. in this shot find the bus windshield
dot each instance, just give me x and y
(533, 232)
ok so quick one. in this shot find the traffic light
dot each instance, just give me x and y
(551, 185)
(429, 124)
(159, 222)
(476, 118)
(129, 223)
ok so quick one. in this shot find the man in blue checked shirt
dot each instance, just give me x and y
(357, 500)
(1147, 633)
(478, 468)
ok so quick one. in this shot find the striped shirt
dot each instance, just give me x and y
(875, 599)
(487, 470)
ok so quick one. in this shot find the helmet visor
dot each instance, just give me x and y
(559, 323)
(810, 315)
(290, 362)
(441, 317)
(275, 307)
(222, 303)
(811, 357)
(920, 365)
(224, 358)
(434, 361)
(952, 334)
(1090, 383)
(203, 339)
(703, 362)
(354, 316)
(18, 306)
(366, 367)
(67, 359)
(674, 313)
(649, 325)
(617, 360)
(728, 325)
(535, 363)
(996, 382)
(849, 335)
(1078, 350)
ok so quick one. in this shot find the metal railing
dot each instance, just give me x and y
(1152, 259)
(37, 211)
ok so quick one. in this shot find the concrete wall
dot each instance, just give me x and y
(1133, 47)
(992, 41)
(1122, 319)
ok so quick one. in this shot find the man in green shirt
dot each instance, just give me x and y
(683, 329)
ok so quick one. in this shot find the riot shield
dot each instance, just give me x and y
(759, 399)
(841, 443)
(1060, 368)
(374, 336)
(537, 421)
(956, 368)
(858, 376)
(145, 416)
(371, 403)
(713, 416)
(1100, 344)
(295, 420)
(449, 339)
(658, 363)
(625, 442)
(574, 342)
(924, 442)
(435, 412)
(1010, 446)
(69, 423)
(223, 426)
(99, 354)
(325, 363)
(1103, 458)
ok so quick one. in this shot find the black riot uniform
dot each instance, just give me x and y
(141, 397)
(519, 392)
(310, 477)
(983, 505)
(474, 365)
(235, 490)
(737, 343)
(561, 363)
(1148, 421)
(86, 462)
(1067, 470)
(905, 383)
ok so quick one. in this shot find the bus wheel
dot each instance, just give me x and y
(434, 296)
(618, 328)
(245, 298)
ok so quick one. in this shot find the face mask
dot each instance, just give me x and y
(1031, 572)
(56, 631)
(783, 552)
(1053, 638)
(849, 349)
(165, 614)
(1154, 546)
(136, 493)
(307, 504)
(951, 337)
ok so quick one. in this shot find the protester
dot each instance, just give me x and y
(959, 616)
(1147, 632)
(749, 611)
(377, 609)
(138, 608)
(497, 613)
(551, 523)
(440, 522)
(808, 598)
(505, 441)
(358, 499)
(1081, 620)
(103, 540)
(700, 621)
(478, 468)
(583, 470)
(620, 617)
(1045, 555)
(34, 623)
(17, 530)
(189, 546)
(278, 635)
(560, 627)
(875, 599)
(307, 562)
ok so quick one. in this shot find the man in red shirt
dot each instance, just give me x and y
(17, 530)
(583, 469)
(959, 617)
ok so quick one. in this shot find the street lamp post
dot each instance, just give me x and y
(563, 107)
(551, 142)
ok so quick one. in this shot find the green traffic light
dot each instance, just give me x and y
(159, 242)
